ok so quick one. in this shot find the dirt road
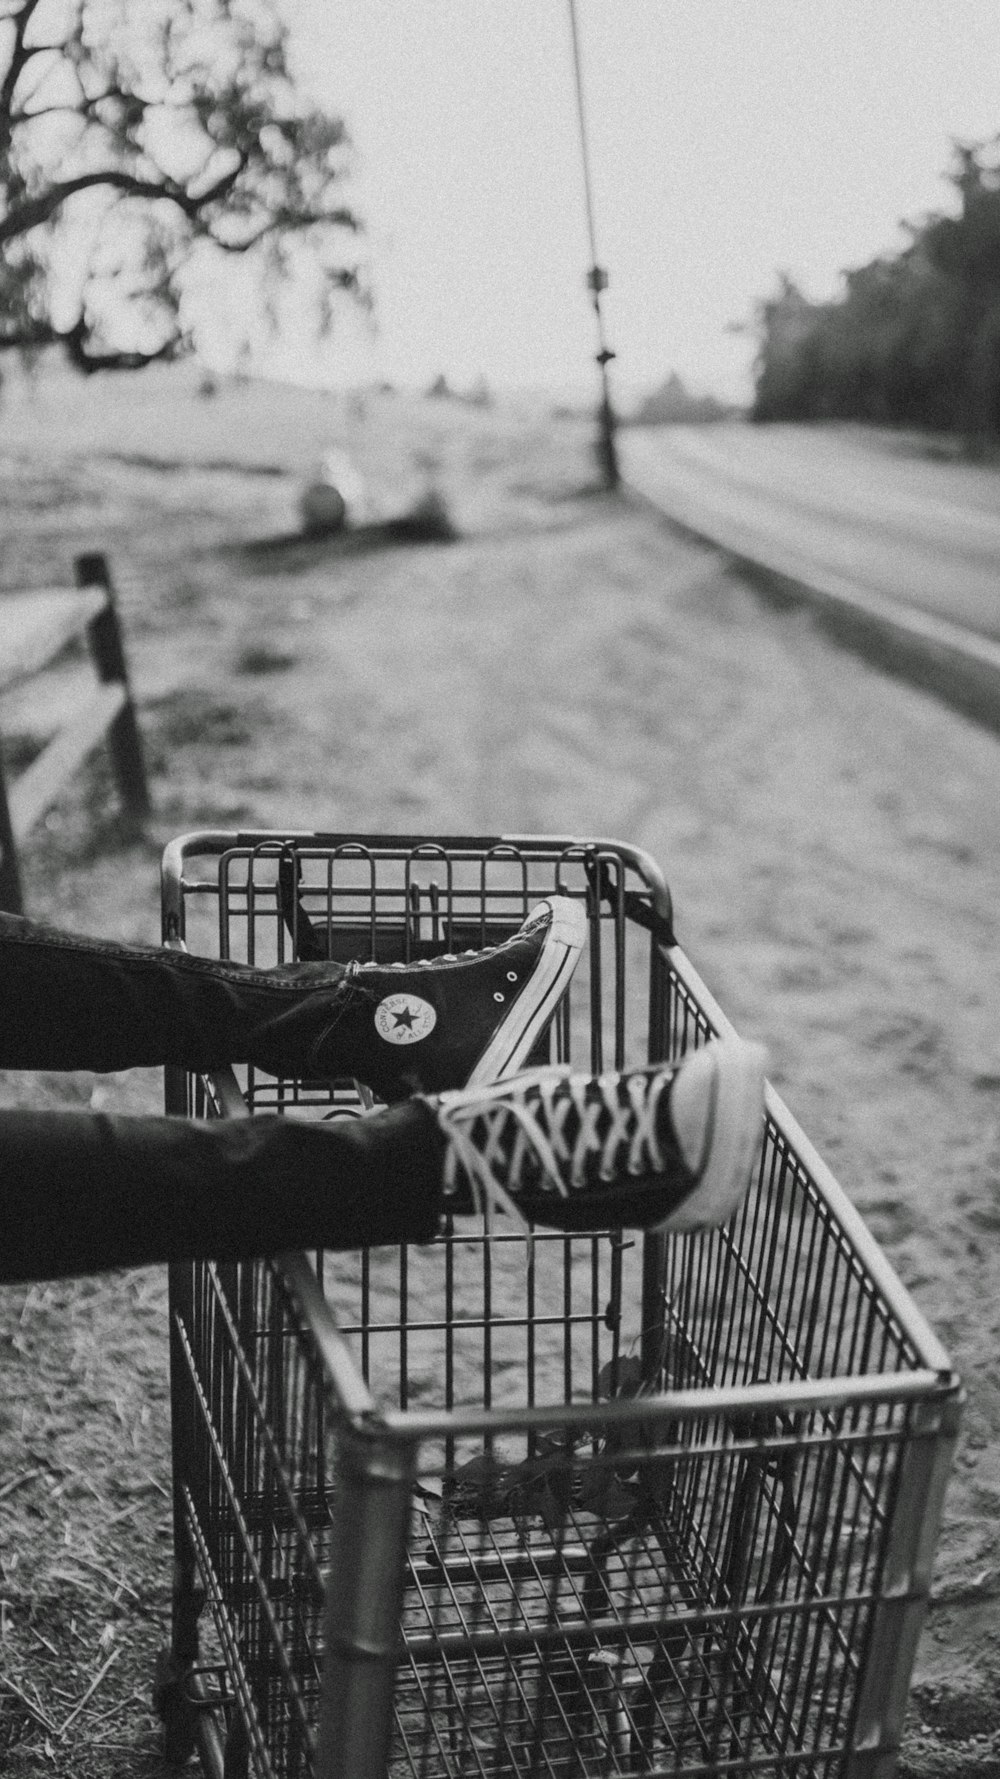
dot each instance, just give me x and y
(832, 839)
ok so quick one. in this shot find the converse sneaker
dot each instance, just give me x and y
(449, 1021)
(666, 1147)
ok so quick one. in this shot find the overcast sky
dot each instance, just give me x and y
(729, 139)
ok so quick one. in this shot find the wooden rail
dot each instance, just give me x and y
(34, 628)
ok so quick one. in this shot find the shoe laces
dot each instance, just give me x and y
(554, 1131)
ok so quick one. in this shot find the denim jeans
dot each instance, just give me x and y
(82, 1192)
(69, 1002)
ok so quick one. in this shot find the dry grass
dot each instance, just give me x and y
(86, 1525)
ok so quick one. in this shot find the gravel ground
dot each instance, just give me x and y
(566, 664)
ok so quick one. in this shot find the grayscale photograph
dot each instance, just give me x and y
(499, 861)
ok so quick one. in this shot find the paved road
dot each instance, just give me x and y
(860, 509)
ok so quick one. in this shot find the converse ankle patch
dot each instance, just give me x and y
(404, 1019)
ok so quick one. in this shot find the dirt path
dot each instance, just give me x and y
(832, 840)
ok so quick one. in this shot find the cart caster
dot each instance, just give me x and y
(174, 1709)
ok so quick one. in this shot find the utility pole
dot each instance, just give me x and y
(597, 280)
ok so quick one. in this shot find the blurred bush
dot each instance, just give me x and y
(673, 402)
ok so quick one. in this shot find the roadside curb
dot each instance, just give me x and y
(953, 663)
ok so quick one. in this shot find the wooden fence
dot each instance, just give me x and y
(35, 627)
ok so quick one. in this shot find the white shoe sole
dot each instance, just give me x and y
(735, 1135)
(516, 1036)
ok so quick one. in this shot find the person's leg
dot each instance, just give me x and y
(73, 1002)
(69, 1002)
(83, 1192)
(659, 1147)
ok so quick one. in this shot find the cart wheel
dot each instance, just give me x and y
(174, 1709)
(236, 1764)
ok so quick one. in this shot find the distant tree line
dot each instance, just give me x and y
(915, 338)
(674, 402)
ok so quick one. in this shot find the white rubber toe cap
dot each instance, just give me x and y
(717, 1108)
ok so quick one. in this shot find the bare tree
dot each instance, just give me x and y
(146, 146)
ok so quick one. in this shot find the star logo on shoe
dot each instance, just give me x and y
(404, 1019)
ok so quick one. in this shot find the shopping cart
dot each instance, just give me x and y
(556, 1505)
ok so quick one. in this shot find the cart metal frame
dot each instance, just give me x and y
(561, 1506)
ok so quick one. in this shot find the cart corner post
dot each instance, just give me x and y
(925, 1465)
(364, 1599)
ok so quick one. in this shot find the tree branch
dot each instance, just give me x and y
(281, 223)
(40, 333)
(221, 189)
(85, 106)
(20, 57)
(74, 343)
(38, 210)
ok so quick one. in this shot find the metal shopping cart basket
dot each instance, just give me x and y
(565, 1505)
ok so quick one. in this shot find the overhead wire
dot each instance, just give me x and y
(597, 277)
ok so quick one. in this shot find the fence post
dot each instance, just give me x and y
(11, 896)
(104, 639)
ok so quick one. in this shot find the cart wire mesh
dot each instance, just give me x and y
(550, 1505)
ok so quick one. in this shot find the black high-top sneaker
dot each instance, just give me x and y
(449, 1021)
(667, 1147)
